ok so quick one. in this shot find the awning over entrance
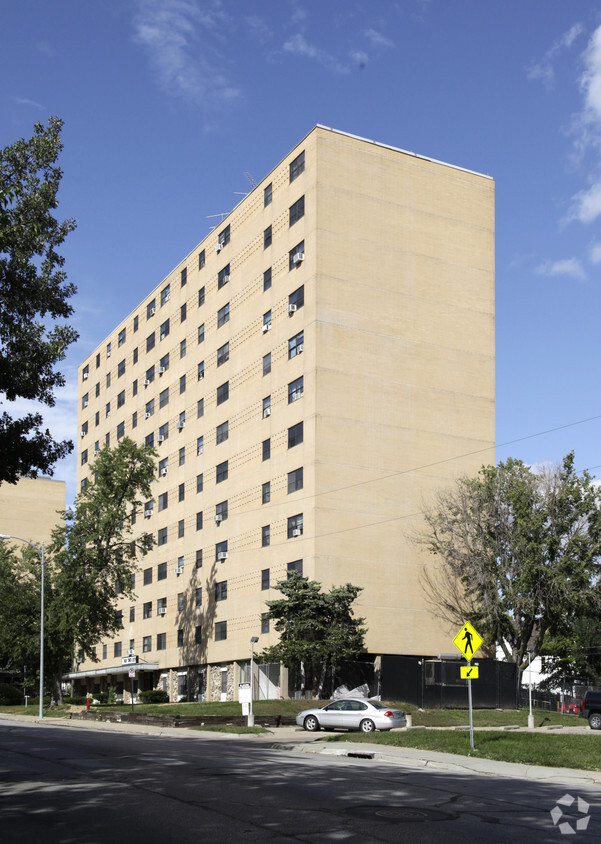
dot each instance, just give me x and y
(117, 669)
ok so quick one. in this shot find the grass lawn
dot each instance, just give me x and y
(232, 728)
(556, 751)
(56, 712)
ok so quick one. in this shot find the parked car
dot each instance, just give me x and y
(352, 714)
(591, 708)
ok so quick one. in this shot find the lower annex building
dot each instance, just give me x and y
(309, 374)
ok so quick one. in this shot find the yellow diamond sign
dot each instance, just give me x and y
(467, 641)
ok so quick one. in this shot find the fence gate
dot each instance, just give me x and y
(268, 681)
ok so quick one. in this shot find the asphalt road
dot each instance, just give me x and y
(91, 787)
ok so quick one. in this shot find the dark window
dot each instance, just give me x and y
(296, 345)
(221, 551)
(297, 211)
(266, 321)
(199, 482)
(117, 649)
(121, 399)
(221, 511)
(267, 363)
(164, 397)
(267, 279)
(220, 631)
(135, 323)
(149, 409)
(163, 501)
(223, 392)
(266, 449)
(201, 296)
(265, 536)
(121, 337)
(295, 389)
(296, 299)
(85, 372)
(265, 579)
(147, 609)
(120, 368)
(200, 445)
(184, 276)
(132, 614)
(221, 472)
(198, 635)
(146, 644)
(267, 237)
(198, 596)
(165, 294)
(162, 571)
(267, 195)
(223, 277)
(295, 435)
(264, 622)
(182, 384)
(200, 408)
(180, 528)
(164, 329)
(181, 492)
(266, 493)
(180, 638)
(164, 432)
(162, 536)
(201, 370)
(108, 379)
(149, 377)
(295, 480)
(150, 341)
(135, 355)
(181, 599)
(223, 315)
(199, 521)
(297, 166)
(295, 525)
(182, 456)
(296, 256)
(97, 389)
(134, 387)
(182, 349)
(266, 407)
(224, 236)
(223, 354)
(222, 432)
(147, 576)
(201, 333)
(163, 466)
(183, 312)
(120, 430)
(84, 457)
(199, 558)
(221, 590)
(296, 565)
(201, 259)
(161, 641)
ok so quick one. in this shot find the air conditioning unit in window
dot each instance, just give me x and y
(83, 433)
(160, 438)
(222, 555)
(147, 514)
(218, 518)
(179, 570)
(300, 348)
(147, 415)
(146, 382)
(291, 309)
(162, 369)
(162, 610)
(85, 403)
(298, 257)
(152, 312)
(108, 354)
(79, 660)
(266, 327)
(218, 247)
(180, 425)
(85, 376)
(163, 472)
(296, 532)
(296, 395)
(201, 375)
(131, 652)
(226, 279)
(266, 412)
(96, 451)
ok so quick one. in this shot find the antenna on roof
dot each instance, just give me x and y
(250, 179)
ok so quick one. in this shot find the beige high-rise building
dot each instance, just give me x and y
(309, 374)
(32, 508)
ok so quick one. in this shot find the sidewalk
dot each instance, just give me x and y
(295, 739)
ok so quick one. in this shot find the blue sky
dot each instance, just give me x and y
(169, 103)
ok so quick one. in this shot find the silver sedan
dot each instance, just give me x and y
(352, 714)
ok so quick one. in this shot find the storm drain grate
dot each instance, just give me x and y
(400, 814)
(361, 755)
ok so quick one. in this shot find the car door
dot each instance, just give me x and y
(332, 716)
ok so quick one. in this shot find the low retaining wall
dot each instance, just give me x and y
(158, 720)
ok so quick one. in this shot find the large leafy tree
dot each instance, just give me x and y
(519, 553)
(315, 627)
(90, 563)
(33, 292)
(573, 656)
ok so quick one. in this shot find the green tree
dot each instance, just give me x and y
(33, 287)
(90, 563)
(518, 553)
(574, 656)
(315, 627)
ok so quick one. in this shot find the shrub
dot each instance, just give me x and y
(74, 701)
(154, 696)
(10, 695)
(102, 697)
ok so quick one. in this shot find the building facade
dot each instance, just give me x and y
(32, 508)
(309, 374)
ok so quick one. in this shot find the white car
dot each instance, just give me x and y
(352, 714)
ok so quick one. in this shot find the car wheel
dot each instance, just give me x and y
(594, 721)
(311, 724)
(367, 726)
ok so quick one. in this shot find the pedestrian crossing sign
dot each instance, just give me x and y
(468, 640)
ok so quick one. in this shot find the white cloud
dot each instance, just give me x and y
(586, 204)
(595, 253)
(544, 69)
(377, 39)
(568, 266)
(182, 39)
(298, 45)
(27, 102)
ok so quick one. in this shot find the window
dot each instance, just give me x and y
(201, 295)
(181, 492)
(223, 392)
(182, 384)
(148, 509)
(164, 364)
(117, 649)
(164, 329)
(164, 432)
(266, 321)
(267, 279)
(84, 400)
(224, 236)
(134, 387)
(161, 641)
(221, 551)
(267, 363)
(180, 528)
(180, 601)
(295, 435)
(149, 408)
(201, 333)
(150, 341)
(150, 309)
(265, 536)
(297, 210)
(295, 525)
(266, 449)
(163, 501)
(84, 428)
(182, 349)
(295, 390)
(97, 389)
(266, 492)
(221, 472)
(201, 370)
(121, 368)
(200, 408)
(163, 467)
(181, 423)
(221, 590)
(184, 276)
(220, 631)
(147, 576)
(296, 345)
(120, 430)
(108, 379)
(84, 457)
(222, 432)
(104, 651)
(266, 407)
(265, 622)
(161, 605)
(223, 354)
(135, 324)
(267, 237)
(85, 372)
(165, 294)
(108, 409)
(296, 299)
(121, 399)
(97, 360)
(164, 397)
(180, 638)
(297, 166)
(135, 355)
(132, 614)
(199, 521)
(223, 315)
(295, 480)
(221, 511)
(265, 579)
(267, 195)
(162, 536)
(198, 635)
(297, 566)
(296, 256)
(162, 571)
(147, 610)
(108, 350)
(181, 458)
(201, 259)
(146, 644)
(199, 483)
(107, 438)
(199, 558)
(200, 445)
(149, 377)
(223, 277)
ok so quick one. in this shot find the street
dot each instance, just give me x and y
(66, 785)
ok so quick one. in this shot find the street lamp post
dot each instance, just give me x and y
(251, 717)
(40, 550)
(530, 715)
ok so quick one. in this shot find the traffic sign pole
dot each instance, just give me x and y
(469, 697)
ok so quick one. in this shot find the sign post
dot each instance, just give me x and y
(132, 675)
(468, 640)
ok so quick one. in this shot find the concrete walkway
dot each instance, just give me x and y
(295, 739)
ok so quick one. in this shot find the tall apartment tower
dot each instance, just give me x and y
(309, 374)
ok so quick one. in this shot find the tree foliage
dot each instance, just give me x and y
(314, 626)
(519, 553)
(90, 563)
(573, 657)
(33, 287)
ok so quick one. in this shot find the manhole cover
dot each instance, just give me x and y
(400, 814)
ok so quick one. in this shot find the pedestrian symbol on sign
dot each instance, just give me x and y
(468, 640)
